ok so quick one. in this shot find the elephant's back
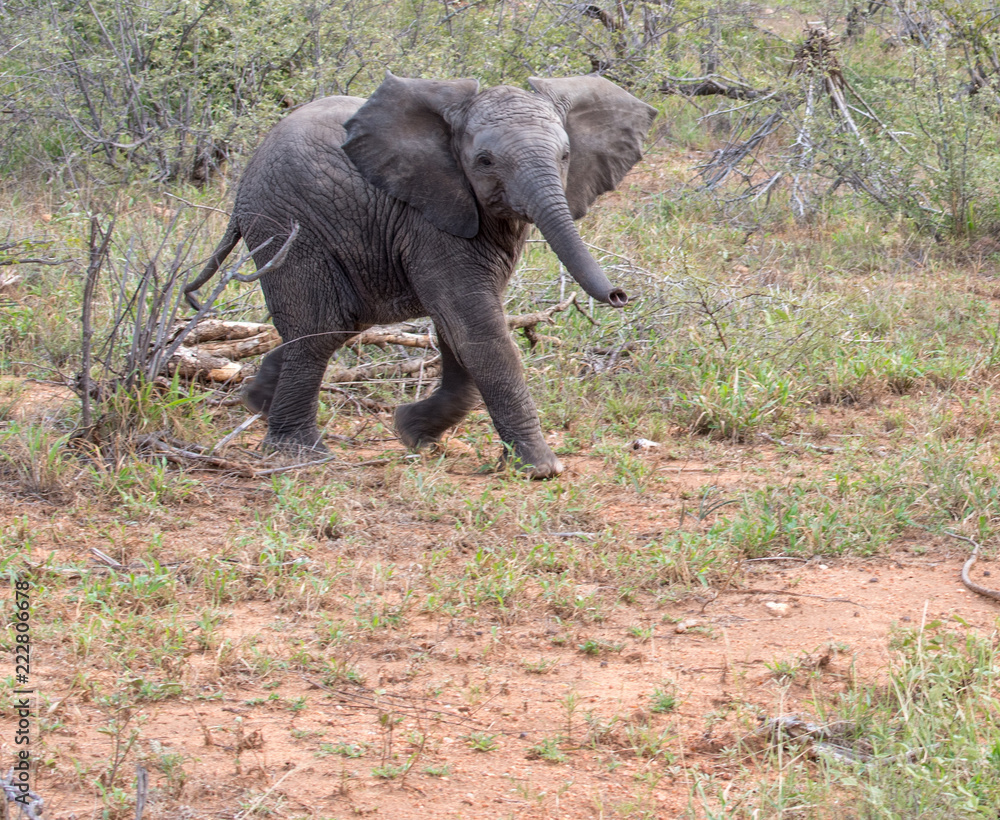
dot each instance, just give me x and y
(348, 229)
(323, 118)
(309, 136)
(300, 167)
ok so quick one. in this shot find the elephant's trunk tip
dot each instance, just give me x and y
(617, 298)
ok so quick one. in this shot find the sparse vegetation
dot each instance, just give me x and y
(806, 377)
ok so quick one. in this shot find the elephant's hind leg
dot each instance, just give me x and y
(424, 422)
(258, 392)
(292, 403)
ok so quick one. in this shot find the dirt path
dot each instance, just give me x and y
(286, 705)
(520, 694)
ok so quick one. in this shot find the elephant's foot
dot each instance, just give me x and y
(255, 397)
(417, 428)
(297, 443)
(538, 462)
(258, 393)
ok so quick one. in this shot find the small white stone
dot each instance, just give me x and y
(685, 625)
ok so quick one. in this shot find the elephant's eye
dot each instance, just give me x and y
(565, 156)
(484, 160)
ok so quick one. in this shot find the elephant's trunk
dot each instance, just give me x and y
(552, 217)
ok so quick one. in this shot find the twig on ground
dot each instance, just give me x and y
(403, 705)
(967, 566)
(777, 558)
(342, 465)
(31, 805)
(106, 559)
(380, 370)
(359, 401)
(804, 444)
(785, 592)
(816, 740)
(181, 454)
(221, 444)
(540, 316)
(252, 808)
(569, 534)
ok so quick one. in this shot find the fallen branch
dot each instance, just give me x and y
(360, 401)
(725, 161)
(252, 808)
(711, 85)
(967, 566)
(816, 66)
(800, 444)
(29, 803)
(736, 591)
(9, 280)
(540, 317)
(216, 330)
(192, 363)
(389, 336)
(221, 445)
(340, 465)
(182, 454)
(382, 370)
(360, 697)
(213, 349)
(195, 455)
(106, 559)
(817, 741)
(8, 258)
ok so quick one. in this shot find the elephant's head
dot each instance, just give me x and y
(544, 157)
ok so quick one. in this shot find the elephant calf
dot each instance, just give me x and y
(414, 203)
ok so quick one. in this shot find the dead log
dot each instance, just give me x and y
(380, 337)
(192, 363)
(384, 370)
(214, 330)
(214, 349)
(711, 85)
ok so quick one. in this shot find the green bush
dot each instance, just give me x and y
(175, 88)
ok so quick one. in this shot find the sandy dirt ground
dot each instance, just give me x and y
(456, 717)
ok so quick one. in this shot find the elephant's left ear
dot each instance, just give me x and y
(401, 141)
(606, 127)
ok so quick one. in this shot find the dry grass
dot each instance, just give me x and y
(816, 390)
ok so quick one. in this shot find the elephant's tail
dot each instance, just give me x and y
(222, 250)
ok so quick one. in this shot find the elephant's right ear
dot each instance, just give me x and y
(401, 141)
(606, 127)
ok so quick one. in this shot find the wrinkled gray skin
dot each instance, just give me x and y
(417, 203)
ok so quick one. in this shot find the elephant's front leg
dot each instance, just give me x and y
(424, 422)
(482, 345)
